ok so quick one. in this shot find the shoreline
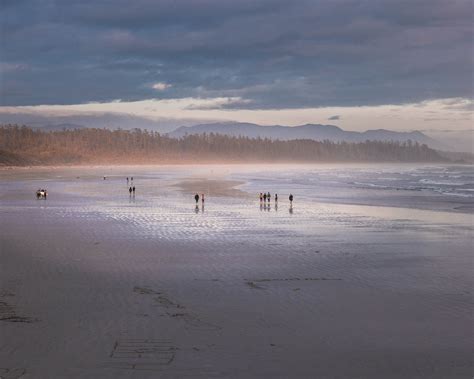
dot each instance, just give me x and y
(217, 182)
(229, 285)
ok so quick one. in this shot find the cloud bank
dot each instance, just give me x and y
(271, 54)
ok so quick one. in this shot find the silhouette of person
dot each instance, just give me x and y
(261, 197)
(265, 197)
(38, 194)
(133, 189)
(269, 197)
(196, 197)
(45, 194)
(276, 198)
(291, 199)
(130, 191)
(202, 198)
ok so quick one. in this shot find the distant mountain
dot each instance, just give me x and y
(315, 132)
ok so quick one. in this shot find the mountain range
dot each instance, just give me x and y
(316, 132)
(179, 128)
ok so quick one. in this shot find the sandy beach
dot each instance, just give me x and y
(95, 283)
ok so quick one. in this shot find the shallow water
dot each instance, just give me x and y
(379, 276)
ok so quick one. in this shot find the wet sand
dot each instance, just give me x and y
(97, 284)
(213, 187)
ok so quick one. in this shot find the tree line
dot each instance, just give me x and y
(21, 145)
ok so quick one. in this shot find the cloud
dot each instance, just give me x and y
(160, 86)
(336, 117)
(273, 53)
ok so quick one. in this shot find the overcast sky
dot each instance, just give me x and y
(279, 61)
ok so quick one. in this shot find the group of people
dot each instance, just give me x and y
(267, 197)
(264, 197)
(41, 194)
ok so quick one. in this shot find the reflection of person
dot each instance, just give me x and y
(196, 197)
(133, 189)
(291, 209)
(197, 208)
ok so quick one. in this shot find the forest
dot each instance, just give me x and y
(22, 146)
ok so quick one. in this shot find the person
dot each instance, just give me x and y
(196, 197)
(202, 198)
(132, 179)
(133, 189)
(276, 198)
(265, 197)
(290, 198)
(38, 194)
(261, 197)
(45, 194)
(269, 197)
(130, 191)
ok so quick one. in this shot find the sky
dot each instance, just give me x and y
(395, 64)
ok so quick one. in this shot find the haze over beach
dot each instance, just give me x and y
(236, 189)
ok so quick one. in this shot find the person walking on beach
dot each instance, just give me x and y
(276, 198)
(291, 199)
(196, 197)
(261, 197)
(130, 191)
(269, 197)
(202, 198)
(264, 197)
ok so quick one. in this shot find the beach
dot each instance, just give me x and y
(359, 278)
